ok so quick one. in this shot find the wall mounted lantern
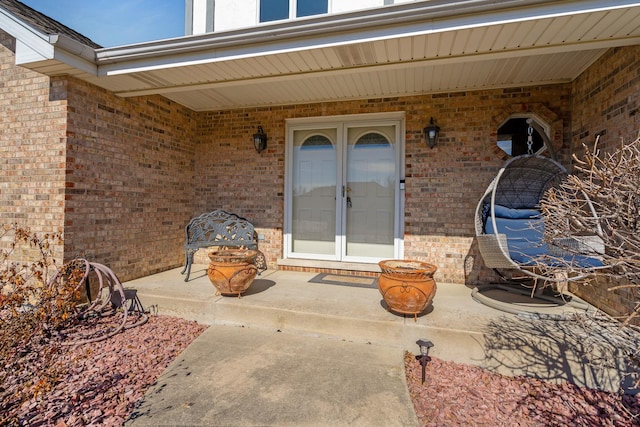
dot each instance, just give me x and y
(260, 140)
(431, 133)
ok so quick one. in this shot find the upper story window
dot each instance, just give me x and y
(311, 7)
(275, 10)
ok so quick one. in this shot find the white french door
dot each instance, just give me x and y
(343, 198)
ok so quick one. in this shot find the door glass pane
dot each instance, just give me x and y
(314, 191)
(371, 187)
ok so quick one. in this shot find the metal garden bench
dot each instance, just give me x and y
(220, 229)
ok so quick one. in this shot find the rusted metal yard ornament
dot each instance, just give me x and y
(111, 311)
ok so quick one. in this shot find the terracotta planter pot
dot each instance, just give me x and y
(232, 271)
(407, 286)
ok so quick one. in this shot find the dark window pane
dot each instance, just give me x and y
(273, 10)
(311, 7)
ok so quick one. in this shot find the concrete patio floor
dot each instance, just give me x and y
(549, 346)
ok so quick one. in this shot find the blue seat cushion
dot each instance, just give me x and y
(510, 213)
(524, 238)
(526, 245)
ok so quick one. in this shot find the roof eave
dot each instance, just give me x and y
(35, 49)
(391, 21)
(31, 44)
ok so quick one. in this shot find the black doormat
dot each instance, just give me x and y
(345, 280)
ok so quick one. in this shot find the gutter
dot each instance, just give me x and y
(73, 46)
(426, 16)
(43, 46)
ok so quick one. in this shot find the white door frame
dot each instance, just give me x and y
(342, 122)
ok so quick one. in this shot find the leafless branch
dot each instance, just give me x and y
(601, 198)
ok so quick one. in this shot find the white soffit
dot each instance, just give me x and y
(391, 82)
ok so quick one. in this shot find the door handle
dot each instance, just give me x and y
(346, 190)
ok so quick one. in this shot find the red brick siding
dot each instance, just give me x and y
(130, 177)
(32, 148)
(606, 99)
(116, 175)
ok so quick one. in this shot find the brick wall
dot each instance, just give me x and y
(32, 148)
(116, 175)
(130, 174)
(606, 100)
(443, 184)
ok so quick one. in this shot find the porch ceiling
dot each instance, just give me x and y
(414, 48)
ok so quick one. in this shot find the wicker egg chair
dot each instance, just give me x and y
(510, 228)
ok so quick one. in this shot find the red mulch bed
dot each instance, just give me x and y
(106, 379)
(454, 394)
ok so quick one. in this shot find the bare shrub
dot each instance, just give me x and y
(601, 198)
(43, 312)
(30, 309)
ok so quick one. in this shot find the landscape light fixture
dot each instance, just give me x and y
(431, 133)
(423, 357)
(260, 140)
